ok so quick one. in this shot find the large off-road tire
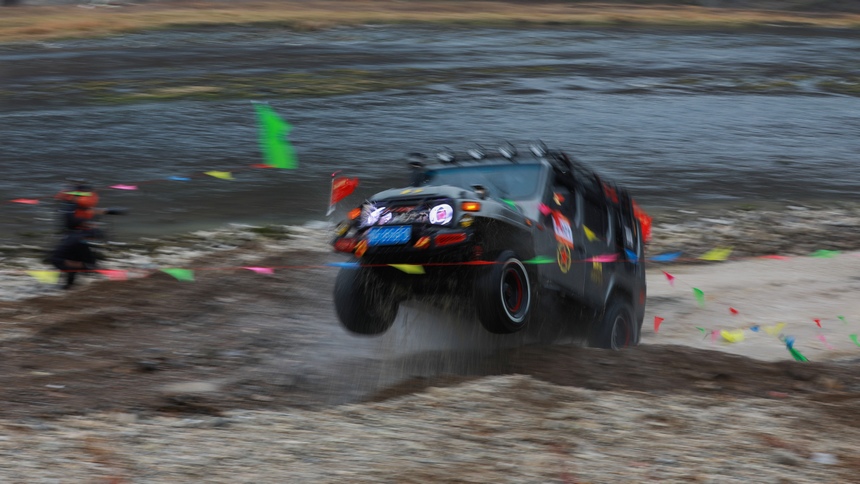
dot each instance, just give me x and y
(365, 304)
(617, 328)
(504, 296)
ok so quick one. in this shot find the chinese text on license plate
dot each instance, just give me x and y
(389, 235)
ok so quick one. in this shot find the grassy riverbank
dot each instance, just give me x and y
(33, 23)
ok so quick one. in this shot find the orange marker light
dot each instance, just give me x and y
(470, 206)
(361, 248)
(422, 243)
(354, 213)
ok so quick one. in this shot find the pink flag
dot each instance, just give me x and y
(544, 209)
(775, 257)
(261, 270)
(114, 275)
(670, 278)
(603, 258)
(26, 201)
(124, 187)
(657, 321)
(821, 337)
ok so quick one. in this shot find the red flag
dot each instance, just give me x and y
(671, 278)
(341, 188)
(733, 310)
(657, 321)
(818, 322)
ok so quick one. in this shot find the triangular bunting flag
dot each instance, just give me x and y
(113, 275)
(224, 175)
(700, 296)
(666, 257)
(657, 321)
(409, 268)
(541, 259)
(26, 201)
(824, 254)
(261, 270)
(180, 274)
(670, 278)
(716, 254)
(45, 277)
(735, 336)
(589, 234)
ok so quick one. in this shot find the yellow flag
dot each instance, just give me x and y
(224, 175)
(45, 277)
(409, 268)
(735, 336)
(589, 234)
(716, 254)
(774, 330)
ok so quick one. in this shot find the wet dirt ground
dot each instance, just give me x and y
(237, 339)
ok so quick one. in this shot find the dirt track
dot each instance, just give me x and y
(237, 339)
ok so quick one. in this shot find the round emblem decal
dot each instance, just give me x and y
(563, 257)
(441, 214)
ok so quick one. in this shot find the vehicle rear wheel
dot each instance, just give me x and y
(365, 304)
(616, 329)
(503, 295)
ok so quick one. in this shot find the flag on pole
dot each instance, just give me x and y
(341, 187)
(276, 149)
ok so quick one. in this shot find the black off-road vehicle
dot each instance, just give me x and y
(505, 233)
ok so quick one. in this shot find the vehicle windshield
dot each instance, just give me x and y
(512, 182)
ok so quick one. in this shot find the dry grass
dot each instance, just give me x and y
(43, 23)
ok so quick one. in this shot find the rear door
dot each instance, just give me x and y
(598, 230)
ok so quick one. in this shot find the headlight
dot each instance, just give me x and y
(441, 214)
(370, 215)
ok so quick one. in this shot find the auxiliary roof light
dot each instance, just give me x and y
(508, 151)
(538, 148)
(445, 156)
(477, 154)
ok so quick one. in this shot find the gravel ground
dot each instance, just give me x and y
(240, 377)
(498, 429)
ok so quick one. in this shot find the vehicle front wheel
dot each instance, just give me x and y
(503, 295)
(364, 303)
(616, 329)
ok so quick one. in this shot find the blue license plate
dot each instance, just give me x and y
(389, 235)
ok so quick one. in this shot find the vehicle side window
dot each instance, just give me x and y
(596, 218)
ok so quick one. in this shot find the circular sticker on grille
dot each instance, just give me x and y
(441, 214)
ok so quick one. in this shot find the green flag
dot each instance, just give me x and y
(276, 149)
(700, 296)
(180, 274)
(541, 259)
(824, 254)
(798, 356)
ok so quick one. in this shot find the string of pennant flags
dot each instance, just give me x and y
(737, 334)
(731, 335)
(274, 145)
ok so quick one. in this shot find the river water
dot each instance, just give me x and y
(684, 119)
